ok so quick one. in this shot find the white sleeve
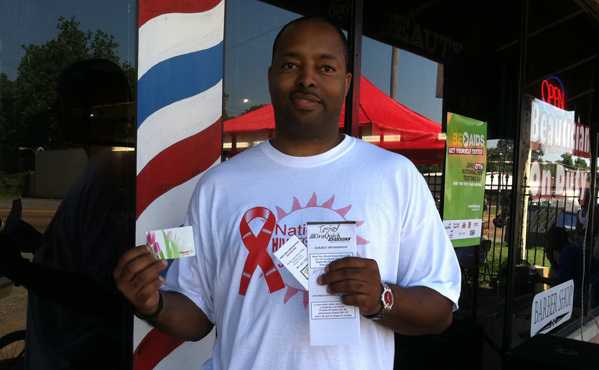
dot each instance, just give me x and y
(192, 276)
(426, 255)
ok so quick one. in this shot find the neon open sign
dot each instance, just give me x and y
(553, 92)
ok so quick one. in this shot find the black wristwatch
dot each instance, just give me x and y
(387, 300)
(151, 318)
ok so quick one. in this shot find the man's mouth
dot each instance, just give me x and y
(303, 101)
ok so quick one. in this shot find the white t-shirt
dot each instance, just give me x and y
(267, 327)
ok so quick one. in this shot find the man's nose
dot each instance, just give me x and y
(306, 78)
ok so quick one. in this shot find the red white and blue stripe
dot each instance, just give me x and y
(179, 113)
(179, 105)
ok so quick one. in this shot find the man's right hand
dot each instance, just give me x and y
(137, 276)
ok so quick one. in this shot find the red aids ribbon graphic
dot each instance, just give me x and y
(257, 245)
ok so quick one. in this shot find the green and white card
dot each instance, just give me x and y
(171, 243)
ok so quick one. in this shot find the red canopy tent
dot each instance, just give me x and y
(383, 121)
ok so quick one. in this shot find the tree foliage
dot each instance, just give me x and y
(27, 105)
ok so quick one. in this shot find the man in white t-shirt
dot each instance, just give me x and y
(406, 278)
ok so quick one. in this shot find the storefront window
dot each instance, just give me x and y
(415, 83)
(248, 50)
(67, 137)
(555, 204)
(409, 87)
(555, 173)
(592, 264)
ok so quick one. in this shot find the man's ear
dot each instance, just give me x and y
(348, 77)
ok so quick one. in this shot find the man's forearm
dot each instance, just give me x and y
(181, 318)
(418, 311)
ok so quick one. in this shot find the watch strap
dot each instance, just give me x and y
(151, 318)
(386, 301)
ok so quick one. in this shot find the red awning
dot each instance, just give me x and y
(419, 136)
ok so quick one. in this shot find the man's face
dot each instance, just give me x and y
(308, 80)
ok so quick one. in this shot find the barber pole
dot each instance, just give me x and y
(179, 134)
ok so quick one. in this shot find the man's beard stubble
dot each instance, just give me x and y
(292, 128)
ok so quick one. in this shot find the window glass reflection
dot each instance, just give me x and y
(67, 175)
(248, 51)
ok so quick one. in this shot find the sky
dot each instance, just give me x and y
(251, 27)
(24, 22)
(249, 47)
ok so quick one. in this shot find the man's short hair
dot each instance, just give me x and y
(317, 19)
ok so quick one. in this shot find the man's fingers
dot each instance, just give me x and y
(335, 276)
(358, 300)
(366, 304)
(136, 266)
(349, 287)
(129, 256)
(348, 262)
(147, 292)
(150, 273)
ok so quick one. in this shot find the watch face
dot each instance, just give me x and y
(388, 298)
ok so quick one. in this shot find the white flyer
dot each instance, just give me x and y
(331, 322)
(294, 256)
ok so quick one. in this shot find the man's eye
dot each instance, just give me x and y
(328, 69)
(288, 66)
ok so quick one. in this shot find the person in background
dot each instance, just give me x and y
(76, 318)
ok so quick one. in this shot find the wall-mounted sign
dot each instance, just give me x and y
(556, 140)
(553, 92)
(553, 129)
(551, 308)
(465, 164)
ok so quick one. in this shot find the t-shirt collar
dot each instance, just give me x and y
(310, 161)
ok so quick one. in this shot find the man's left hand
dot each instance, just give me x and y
(357, 280)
